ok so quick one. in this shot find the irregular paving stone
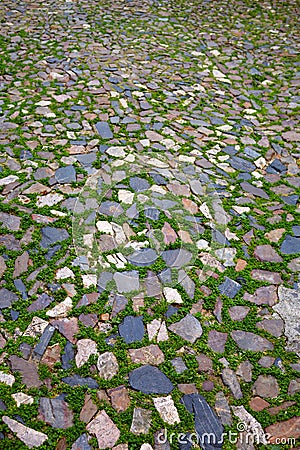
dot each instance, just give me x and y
(147, 355)
(289, 311)
(143, 257)
(30, 437)
(229, 287)
(276, 409)
(89, 409)
(51, 355)
(250, 341)
(150, 380)
(40, 348)
(107, 365)
(176, 258)
(81, 443)
(106, 432)
(252, 426)
(294, 387)
(166, 409)
(28, 370)
(266, 386)
(127, 281)
(258, 192)
(132, 329)
(244, 370)
(230, 379)
(104, 130)
(141, 421)
(266, 253)
(85, 348)
(65, 175)
(206, 421)
(223, 409)
(272, 326)
(7, 378)
(290, 245)
(265, 295)
(188, 328)
(7, 298)
(55, 412)
(119, 397)
(67, 327)
(42, 302)
(51, 236)
(283, 430)
(267, 276)
(216, 341)
(238, 313)
(77, 380)
(258, 404)
(179, 365)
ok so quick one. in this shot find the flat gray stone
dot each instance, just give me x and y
(55, 412)
(111, 209)
(177, 258)
(188, 328)
(65, 175)
(51, 235)
(246, 340)
(132, 329)
(127, 281)
(150, 380)
(7, 298)
(230, 379)
(229, 287)
(290, 245)
(104, 130)
(143, 257)
(138, 184)
(288, 308)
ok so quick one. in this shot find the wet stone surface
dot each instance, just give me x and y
(149, 223)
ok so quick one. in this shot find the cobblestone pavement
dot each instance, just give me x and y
(150, 233)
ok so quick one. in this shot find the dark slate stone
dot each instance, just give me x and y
(51, 235)
(110, 208)
(152, 213)
(220, 238)
(86, 159)
(82, 443)
(251, 153)
(158, 179)
(68, 356)
(14, 314)
(132, 329)
(276, 167)
(143, 257)
(244, 176)
(229, 287)
(25, 349)
(171, 311)
(207, 425)
(150, 380)
(165, 276)
(258, 192)
(7, 298)
(42, 302)
(241, 164)
(103, 279)
(290, 245)
(296, 230)
(104, 130)
(176, 258)
(52, 251)
(139, 184)
(77, 380)
(40, 348)
(65, 174)
(3, 406)
(20, 286)
(290, 199)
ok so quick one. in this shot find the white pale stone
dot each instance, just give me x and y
(172, 295)
(241, 209)
(146, 447)
(162, 334)
(8, 180)
(64, 272)
(202, 244)
(88, 240)
(6, 378)
(85, 348)
(104, 227)
(89, 280)
(117, 152)
(119, 234)
(36, 327)
(49, 200)
(153, 328)
(22, 399)
(125, 196)
(166, 409)
(61, 309)
(205, 211)
(27, 435)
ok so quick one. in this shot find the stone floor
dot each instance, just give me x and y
(150, 233)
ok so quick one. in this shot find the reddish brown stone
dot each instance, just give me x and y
(266, 253)
(51, 355)
(62, 444)
(258, 404)
(119, 397)
(286, 429)
(276, 409)
(67, 327)
(151, 354)
(266, 275)
(265, 295)
(89, 409)
(102, 396)
(189, 388)
(21, 264)
(240, 265)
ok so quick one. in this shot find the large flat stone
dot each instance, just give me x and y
(150, 380)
